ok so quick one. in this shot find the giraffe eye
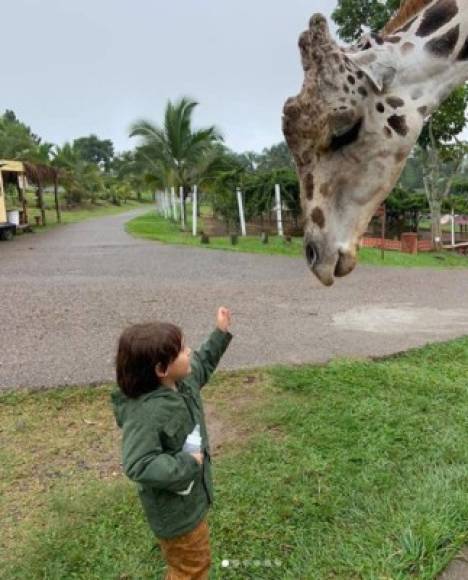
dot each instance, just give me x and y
(347, 137)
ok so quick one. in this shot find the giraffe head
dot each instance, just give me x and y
(350, 133)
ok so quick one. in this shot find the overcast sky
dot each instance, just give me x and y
(75, 67)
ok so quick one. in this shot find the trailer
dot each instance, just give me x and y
(12, 172)
(7, 229)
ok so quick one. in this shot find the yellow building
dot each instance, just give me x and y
(10, 172)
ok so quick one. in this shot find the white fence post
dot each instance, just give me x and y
(181, 201)
(174, 205)
(162, 209)
(241, 211)
(167, 205)
(279, 217)
(194, 210)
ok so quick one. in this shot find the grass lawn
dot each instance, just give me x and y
(351, 470)
(154, 227)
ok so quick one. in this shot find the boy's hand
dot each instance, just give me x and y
(223, 319)
(198, 457)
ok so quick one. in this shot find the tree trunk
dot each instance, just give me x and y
(436, 213)
(40, 195)
(437, 188)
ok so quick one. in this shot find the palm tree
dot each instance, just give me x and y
(79, 178)
(175, 150)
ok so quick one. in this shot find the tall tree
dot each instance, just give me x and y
(275, 157)
(175, 149)
(95, 150)
(17, 140)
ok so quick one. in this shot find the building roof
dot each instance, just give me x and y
(9, 165)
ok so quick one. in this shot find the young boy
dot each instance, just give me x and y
(157, 405)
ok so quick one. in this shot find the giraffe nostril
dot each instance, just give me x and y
(311, 253)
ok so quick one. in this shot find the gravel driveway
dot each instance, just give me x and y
(68, 293)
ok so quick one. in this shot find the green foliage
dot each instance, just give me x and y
(402, 200)
(275, 157)
(18, 142)
(94, 150)
(449, 120)
(174, 151)
(352, 16)
(259, 191)
(223, 197)
(80, 179)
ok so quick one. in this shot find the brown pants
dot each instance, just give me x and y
(188, 557)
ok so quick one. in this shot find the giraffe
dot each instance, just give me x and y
(360, 112)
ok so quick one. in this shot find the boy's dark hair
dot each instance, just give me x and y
(141, 348)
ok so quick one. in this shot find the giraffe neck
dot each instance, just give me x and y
(430, 53)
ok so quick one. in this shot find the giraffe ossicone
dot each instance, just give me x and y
(359, 114)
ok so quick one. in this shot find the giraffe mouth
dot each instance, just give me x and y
(338, 265)
(345, 264)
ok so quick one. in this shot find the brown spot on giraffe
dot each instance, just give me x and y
(384, 154)
(388, 132)
(398, 124)
(392, 39)
(400, 156)
(437, 16)
(378, 39)
(309, 186)
(463, 54)
(406, 16)
(325, 189)
(422, 111)
(306, 158)
(407, 26)
(318, 217)
(351, 79)
(407, 47)
(395, 102)
(380, 108)
(444, 45)
(362, 91)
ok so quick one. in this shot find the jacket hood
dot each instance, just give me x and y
(123, 405)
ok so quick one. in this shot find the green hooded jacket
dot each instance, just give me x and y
(154, 429)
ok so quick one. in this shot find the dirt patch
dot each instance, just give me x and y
(233, 406)
(458, 568)
(402, 320)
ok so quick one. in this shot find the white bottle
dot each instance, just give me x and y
(193, 444)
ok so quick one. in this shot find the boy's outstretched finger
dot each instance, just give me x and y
(224, 318)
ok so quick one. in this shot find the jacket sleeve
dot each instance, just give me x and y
(206, 359)
(145, 462)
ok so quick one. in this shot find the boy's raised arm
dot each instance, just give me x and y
(206, 359)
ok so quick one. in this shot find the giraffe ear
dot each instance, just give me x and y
(379, 72)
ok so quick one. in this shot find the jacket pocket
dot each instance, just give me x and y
(174, 434)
